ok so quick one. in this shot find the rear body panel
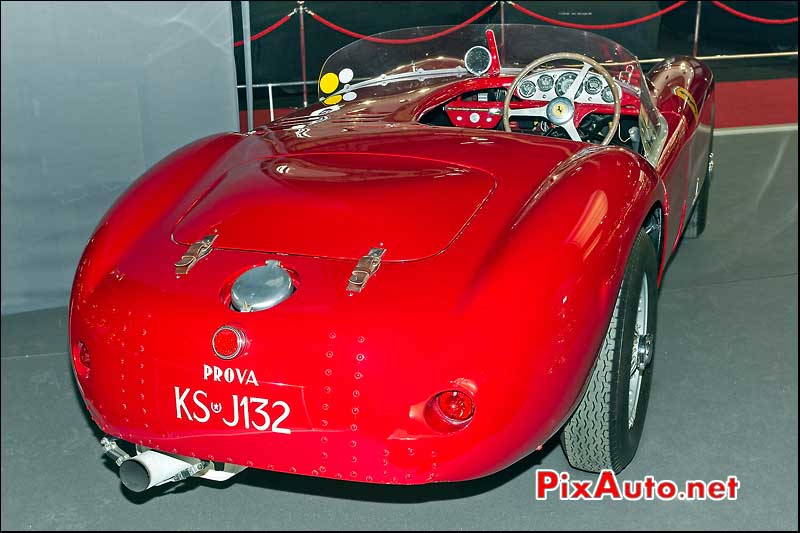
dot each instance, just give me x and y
(504, 256)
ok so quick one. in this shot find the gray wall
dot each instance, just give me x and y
(93, 93)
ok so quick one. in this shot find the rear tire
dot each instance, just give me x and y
(605, 429)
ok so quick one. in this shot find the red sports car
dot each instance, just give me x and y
(450, 258)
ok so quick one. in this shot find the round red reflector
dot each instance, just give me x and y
(456, 406)
(227, 342)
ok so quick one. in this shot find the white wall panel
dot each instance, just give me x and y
(94, 93)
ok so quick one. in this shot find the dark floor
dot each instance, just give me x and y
(724, 402)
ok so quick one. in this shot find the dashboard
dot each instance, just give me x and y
(552, 83)
(478, 103)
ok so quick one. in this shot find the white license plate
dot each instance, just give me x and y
(247, 412)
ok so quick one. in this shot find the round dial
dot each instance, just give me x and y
(563, 83)
(593, 85)
(526, 89)
(545, 82)
(607, 95)
(477, 60)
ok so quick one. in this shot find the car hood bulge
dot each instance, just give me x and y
(339, 206)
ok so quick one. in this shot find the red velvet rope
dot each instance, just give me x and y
(528, 12)
(519, 8)
(752, 18)
(381, 40)
(270, 29)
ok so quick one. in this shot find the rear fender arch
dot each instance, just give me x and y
(550, 283)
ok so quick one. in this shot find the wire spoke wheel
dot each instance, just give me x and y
(638, 359)
(605, 429)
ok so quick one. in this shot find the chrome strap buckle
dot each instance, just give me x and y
(195, 253)
(365, 267)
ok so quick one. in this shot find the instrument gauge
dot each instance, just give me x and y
(526, 89)
(545, 82)
(563, 83)
(593, 85)
(477, 60)
(607, 95)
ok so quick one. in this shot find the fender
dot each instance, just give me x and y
(683, 88)
(554, 283)
(162, 185)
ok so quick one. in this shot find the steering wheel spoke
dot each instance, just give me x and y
(530, 112)
(572, 131)
(576, 84)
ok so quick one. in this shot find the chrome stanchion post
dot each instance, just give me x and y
(696, 38)
(302, 9)
(271, 107)
(503, 31)
(248, 62)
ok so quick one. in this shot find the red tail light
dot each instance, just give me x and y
(228, 342)
(449, 411)
(456, 406)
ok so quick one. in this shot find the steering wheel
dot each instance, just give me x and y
(561, 110)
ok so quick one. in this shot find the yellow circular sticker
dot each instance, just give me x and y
(335, 99)
(328, 83)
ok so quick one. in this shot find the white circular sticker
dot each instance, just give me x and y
(346, 75)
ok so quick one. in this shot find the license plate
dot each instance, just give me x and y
(248, 412)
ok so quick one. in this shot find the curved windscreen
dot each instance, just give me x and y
(398, 65)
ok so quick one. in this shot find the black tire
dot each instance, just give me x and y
(598, 435)
(697, 221)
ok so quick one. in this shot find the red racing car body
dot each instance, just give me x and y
(407, 282)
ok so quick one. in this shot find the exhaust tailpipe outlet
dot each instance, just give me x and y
(151, 468)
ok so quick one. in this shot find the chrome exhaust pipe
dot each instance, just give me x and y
(149, 468)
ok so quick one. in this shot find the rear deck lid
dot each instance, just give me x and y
(339, 206)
